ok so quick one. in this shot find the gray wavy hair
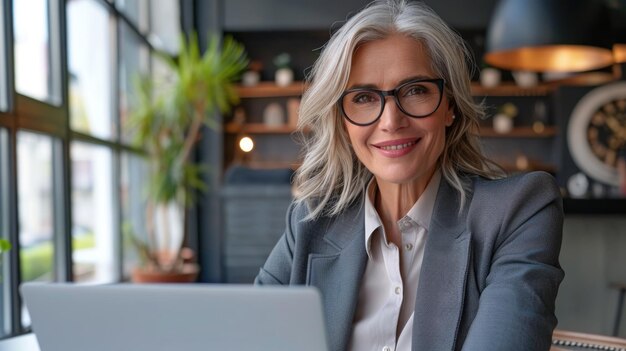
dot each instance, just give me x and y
(331, 177)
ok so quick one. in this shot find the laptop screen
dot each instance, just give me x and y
(193, 317)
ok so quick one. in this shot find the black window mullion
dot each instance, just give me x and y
(8, 186)
(115, 59)
(62, 197)
(7, 77)
(13, 224)
(62, 165)
(56, 30)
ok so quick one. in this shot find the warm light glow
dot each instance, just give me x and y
(619, 51)
(246, 144)
(554, 58)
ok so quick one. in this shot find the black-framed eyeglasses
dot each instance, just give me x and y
(416, 98)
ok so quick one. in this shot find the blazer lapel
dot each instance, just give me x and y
(338, 274)
(441, 290)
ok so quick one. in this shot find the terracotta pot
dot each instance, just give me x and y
(188, 274)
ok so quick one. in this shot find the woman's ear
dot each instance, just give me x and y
(450, 115)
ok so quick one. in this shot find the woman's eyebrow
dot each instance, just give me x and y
(374, 86)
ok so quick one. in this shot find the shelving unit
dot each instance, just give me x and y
(258, 96)
(486, 132)
(266, 92)
(521, 141)
(510, 89)
(269, 89)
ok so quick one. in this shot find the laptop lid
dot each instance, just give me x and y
(188, 317)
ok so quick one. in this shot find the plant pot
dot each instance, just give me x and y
(188, 274)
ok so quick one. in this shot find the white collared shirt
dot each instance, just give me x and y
(384, 315)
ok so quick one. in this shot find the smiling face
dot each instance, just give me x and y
(397, 149)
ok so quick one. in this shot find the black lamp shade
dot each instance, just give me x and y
(550, 35)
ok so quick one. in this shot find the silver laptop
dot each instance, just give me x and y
(185, 317)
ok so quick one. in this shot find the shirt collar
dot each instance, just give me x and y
(421, 212)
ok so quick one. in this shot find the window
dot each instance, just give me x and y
(134, 61)
(32, 49)
(93, 222)
(90, 68)
(36, 222)
(71, 184)
(132, 193)
(35, 208)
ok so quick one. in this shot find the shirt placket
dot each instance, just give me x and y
(408, 229)
(391, 256)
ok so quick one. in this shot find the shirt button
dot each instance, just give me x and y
(386, 348)
(409, 247)
(398, 290)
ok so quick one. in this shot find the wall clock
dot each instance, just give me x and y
(597, 131)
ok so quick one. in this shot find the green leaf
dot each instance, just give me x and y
(5, 245)
(161, 119)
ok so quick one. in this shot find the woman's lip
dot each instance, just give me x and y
(395, 142)
(396, 148)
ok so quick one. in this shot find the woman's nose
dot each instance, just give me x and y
(392, 117)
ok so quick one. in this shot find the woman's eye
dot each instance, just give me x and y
(416, 90)
(364, 98)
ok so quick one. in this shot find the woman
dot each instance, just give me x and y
(414, 239)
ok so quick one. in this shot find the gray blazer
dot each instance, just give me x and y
(490, 273)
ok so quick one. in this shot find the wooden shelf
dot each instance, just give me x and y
(269, 89)
(258, 128)
(518, 132)
(532, 166)
(545, 88)
(485, 132)
(272, 164)
(510, 89)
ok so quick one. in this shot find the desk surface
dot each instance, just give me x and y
(21, 343)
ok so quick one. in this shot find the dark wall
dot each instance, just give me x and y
(246, 15)
(270, 27)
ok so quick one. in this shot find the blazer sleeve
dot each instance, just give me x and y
(516, 306)
(277, 267)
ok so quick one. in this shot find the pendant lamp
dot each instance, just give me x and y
(549, 36)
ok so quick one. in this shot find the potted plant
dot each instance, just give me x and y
(284, 73)
(167, 123)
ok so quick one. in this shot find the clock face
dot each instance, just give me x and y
(597, 132)
(606, 132)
